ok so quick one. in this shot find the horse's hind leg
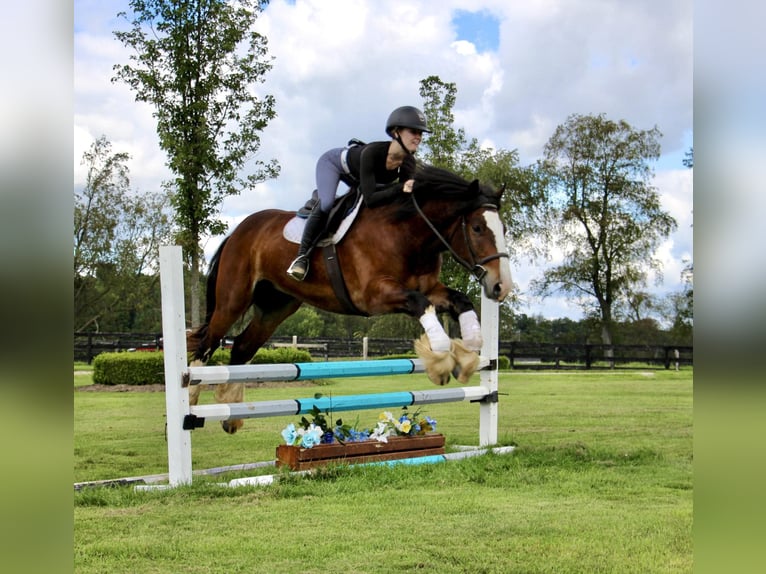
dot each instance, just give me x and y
(226, 307)
(263, 324)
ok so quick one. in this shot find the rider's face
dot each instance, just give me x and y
(411, 138)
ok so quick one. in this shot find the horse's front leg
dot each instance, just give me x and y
(461, 308)
(386, 295)
(438, 338)
(463, 351)
(441, 355)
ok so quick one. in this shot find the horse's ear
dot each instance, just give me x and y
(501, 191)
(473, 188)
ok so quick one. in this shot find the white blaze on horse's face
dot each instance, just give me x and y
(498, 287)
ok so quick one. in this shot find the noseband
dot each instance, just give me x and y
(476, 267)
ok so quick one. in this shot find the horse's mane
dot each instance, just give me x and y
(437, 183)
(440, 182)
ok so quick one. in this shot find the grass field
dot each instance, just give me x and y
(601, 481)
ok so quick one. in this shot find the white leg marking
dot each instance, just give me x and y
(436, 335)
(470, 330)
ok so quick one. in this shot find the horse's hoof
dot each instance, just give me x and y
(440, 379)
(231, 426)
(466, 361)
(437, 365)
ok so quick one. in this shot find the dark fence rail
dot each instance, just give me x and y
(88, 345)
(591, 356)
(521, 355)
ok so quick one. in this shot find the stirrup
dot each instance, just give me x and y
(299, 268)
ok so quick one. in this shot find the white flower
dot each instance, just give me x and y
(381, 432)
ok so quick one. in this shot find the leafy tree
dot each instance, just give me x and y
(444, 144)
(97, 206)
(116, 237)
(198, 62)
(637, 305)
(607, 216)
(305, 322)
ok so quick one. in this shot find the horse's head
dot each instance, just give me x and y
(465, 217)
(483, 249)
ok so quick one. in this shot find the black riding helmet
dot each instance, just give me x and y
(406, 117)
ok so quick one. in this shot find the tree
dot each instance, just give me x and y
(444, 144)
(606, 214)
(97, 206)
(116, 237)
(198, 62)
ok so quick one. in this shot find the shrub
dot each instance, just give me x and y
(281, 355)
(141, 368)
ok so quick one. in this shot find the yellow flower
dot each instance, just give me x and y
(406, 426)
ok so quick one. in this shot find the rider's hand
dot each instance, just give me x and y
(407, 187)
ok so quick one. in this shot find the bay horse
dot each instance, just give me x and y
(389, 258)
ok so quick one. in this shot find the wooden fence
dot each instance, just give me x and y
(521, 355)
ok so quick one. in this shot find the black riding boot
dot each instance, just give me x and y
(315, 224)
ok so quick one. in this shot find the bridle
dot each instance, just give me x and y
(477, 266)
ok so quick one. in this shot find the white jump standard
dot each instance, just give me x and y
(183, 418)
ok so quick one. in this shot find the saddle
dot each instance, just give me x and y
(341, 216)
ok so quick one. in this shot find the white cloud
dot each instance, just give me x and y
(340, 67)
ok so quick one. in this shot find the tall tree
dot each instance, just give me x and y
(97, 206)
(444, 144)
(116, 237)
(607, 215)
(198, 62)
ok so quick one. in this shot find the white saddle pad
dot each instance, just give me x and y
(293, 230)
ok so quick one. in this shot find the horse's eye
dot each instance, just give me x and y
(476, 228)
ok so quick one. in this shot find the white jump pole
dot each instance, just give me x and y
(490, 329)
(174, 346)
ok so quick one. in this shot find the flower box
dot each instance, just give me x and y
(396, 448)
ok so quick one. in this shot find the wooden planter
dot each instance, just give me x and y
(398, 447)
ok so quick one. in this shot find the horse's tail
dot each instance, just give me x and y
(212, 278)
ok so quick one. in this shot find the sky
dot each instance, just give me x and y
(521, 67)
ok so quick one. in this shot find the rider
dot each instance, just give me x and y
(381, 169)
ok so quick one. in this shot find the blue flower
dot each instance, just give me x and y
(289, 434)
(358, 436)
(312, 437)
(432, 423)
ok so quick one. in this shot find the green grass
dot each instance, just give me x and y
(601, 481)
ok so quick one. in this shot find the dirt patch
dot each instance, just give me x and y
(161, 388)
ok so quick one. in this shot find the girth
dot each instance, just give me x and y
(337, 281)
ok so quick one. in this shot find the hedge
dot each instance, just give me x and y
(148, 367)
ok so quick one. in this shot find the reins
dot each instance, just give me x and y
(477, 267)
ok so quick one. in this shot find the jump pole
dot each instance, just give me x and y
(181, 416)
